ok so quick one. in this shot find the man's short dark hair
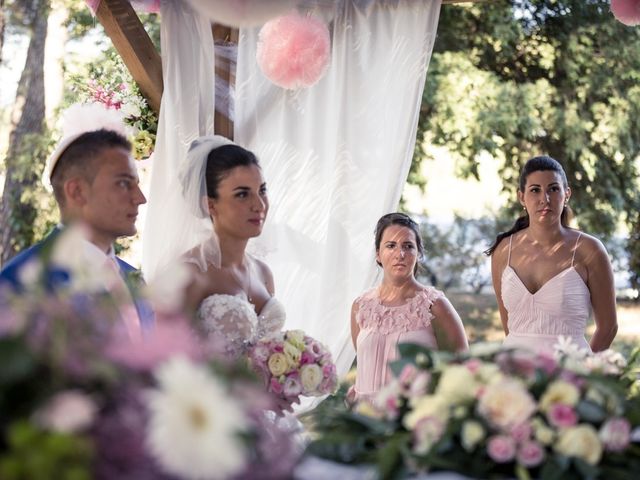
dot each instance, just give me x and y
(79, 158)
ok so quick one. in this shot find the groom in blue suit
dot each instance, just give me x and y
(96, 186)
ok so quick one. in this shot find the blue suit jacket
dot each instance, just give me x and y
(55, 278)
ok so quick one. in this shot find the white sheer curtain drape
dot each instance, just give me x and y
(186, 112)
(336, 156)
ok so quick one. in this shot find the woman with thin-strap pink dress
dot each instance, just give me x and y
(400, 309)
(549, 278)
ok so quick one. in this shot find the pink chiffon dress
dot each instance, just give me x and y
(561, 307)
(382, 328)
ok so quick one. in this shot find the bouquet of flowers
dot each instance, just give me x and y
(495, 414)
(81, 399)
(293, 364)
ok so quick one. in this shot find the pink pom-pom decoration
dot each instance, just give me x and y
(294, 50)
(626, 11)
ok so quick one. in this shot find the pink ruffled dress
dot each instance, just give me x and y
(382, 328)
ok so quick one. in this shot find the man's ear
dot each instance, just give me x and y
(75, 191)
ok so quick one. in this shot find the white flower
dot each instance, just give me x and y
(559, 391)
(30, 273)
(310, 376)
(427, 406)
(67, 412)
(472, 433)
(130, 109)
(194, 423)
(427, 432)
(580, 441)
(457, 384)
(167, 290)
(506, 404)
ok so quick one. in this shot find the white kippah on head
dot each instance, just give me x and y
(79, 119)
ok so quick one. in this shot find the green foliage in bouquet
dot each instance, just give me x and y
(493, 414)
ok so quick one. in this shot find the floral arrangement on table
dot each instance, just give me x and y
(294, 364)
(110, 84)
(81, 399)
(494, 414)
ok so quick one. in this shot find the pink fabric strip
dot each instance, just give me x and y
(93, 5)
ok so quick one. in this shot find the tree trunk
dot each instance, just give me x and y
(3, 22)
(23, 168)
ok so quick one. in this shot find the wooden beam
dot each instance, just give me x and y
(225, 69)
(122, 25)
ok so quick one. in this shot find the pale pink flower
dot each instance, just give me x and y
(166, 340)
(426, 433)
(615, 434)
(501, 448)
(530, 454)
(69, 411)
(522, 432)
(473, 364)
(292, 385)
(407, 374)
(419, 385)
(562, 416)
(275, 386)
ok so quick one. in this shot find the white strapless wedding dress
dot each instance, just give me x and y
(236, 322)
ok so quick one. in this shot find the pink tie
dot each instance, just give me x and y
(122, 295)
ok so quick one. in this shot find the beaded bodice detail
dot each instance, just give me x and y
(235, 321)
(413, 315)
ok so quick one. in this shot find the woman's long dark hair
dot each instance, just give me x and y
(536, 164)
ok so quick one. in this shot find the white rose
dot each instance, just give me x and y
(472, 434)
(559, 392)
(293, 355)
(278, 364)
(457, 384)
(310, 376)
(580, 441)
(427, 406)
(506, 404)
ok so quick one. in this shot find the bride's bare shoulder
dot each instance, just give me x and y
(265, 274)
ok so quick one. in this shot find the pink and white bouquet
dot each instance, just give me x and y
(294, 364)
(495, 414)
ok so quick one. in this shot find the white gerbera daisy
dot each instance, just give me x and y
(194, 423)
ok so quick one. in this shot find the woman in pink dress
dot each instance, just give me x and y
(400, 309)
(548, 277)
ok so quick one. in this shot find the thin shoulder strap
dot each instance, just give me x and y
(575, 248)
(509, 257)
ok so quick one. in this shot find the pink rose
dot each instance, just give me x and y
(562, 416)
(473, 364)
(407, 374)
(530, 454)
(522, 432)
(279, 348)
(615, 434)
(329, 370)
(306, 358)
(501, 449)
(419, 385)
(275, 386)
(546, 362)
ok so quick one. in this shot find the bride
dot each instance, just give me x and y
(231, 292)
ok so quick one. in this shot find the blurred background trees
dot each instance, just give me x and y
(515, 79)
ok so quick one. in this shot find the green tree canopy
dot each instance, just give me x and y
(528, 77)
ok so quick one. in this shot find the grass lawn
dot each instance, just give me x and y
(480, 316)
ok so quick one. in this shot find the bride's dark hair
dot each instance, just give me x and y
(223, 159)
(536, 164)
